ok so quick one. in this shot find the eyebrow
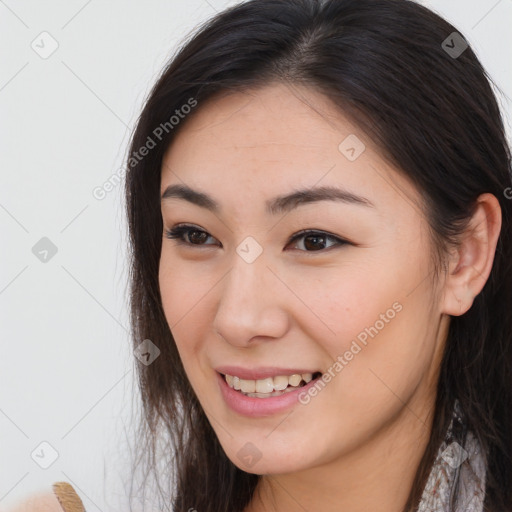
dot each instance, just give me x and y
(276, 205)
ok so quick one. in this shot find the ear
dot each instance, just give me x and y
(471, 263)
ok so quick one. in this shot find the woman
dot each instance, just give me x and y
(318, 196)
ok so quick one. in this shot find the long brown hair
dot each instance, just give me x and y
(434, 116)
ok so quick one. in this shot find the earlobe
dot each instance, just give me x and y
(471, 263)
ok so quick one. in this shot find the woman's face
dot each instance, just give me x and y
(248, 297)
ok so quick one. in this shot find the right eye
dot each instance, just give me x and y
(185, 234)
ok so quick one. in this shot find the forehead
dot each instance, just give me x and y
(275, 138)
(271, 116)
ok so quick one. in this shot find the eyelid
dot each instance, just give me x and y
(178, 230)
(311, 231)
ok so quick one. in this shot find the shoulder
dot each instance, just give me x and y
(42, 501)
(62, 497)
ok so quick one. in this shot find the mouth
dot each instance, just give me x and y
(270, 386)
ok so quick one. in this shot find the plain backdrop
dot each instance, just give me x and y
(66, 365)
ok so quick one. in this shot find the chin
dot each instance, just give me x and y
(258, 455)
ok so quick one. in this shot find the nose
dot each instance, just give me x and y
(252, 304)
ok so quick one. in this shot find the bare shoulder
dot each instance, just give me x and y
(42, 501)
(62, 497)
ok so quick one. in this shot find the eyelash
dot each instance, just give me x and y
(177, 233)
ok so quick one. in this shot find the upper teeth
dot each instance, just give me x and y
(269, 384)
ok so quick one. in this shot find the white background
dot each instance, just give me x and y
(66, 367)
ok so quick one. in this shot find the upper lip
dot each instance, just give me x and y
(261, 372)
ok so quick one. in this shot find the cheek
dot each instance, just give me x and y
(169, 293)
(383, 347)
(184, 293)
(182, 289)
(368, 319)
(338, 305)
(177, 302)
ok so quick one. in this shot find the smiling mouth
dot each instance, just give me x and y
(271, 386)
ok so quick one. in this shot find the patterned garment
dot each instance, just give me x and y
(459, 470)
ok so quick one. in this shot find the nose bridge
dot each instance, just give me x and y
(247, 306)
(248, 270)
(245, 282)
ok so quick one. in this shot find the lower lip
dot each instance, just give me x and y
(257, 407)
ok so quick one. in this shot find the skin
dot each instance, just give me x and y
(357, 444)
(41, 501)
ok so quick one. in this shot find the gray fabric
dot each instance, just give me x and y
(459, 470)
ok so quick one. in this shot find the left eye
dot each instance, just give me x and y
(190, 235)
(311, 238)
